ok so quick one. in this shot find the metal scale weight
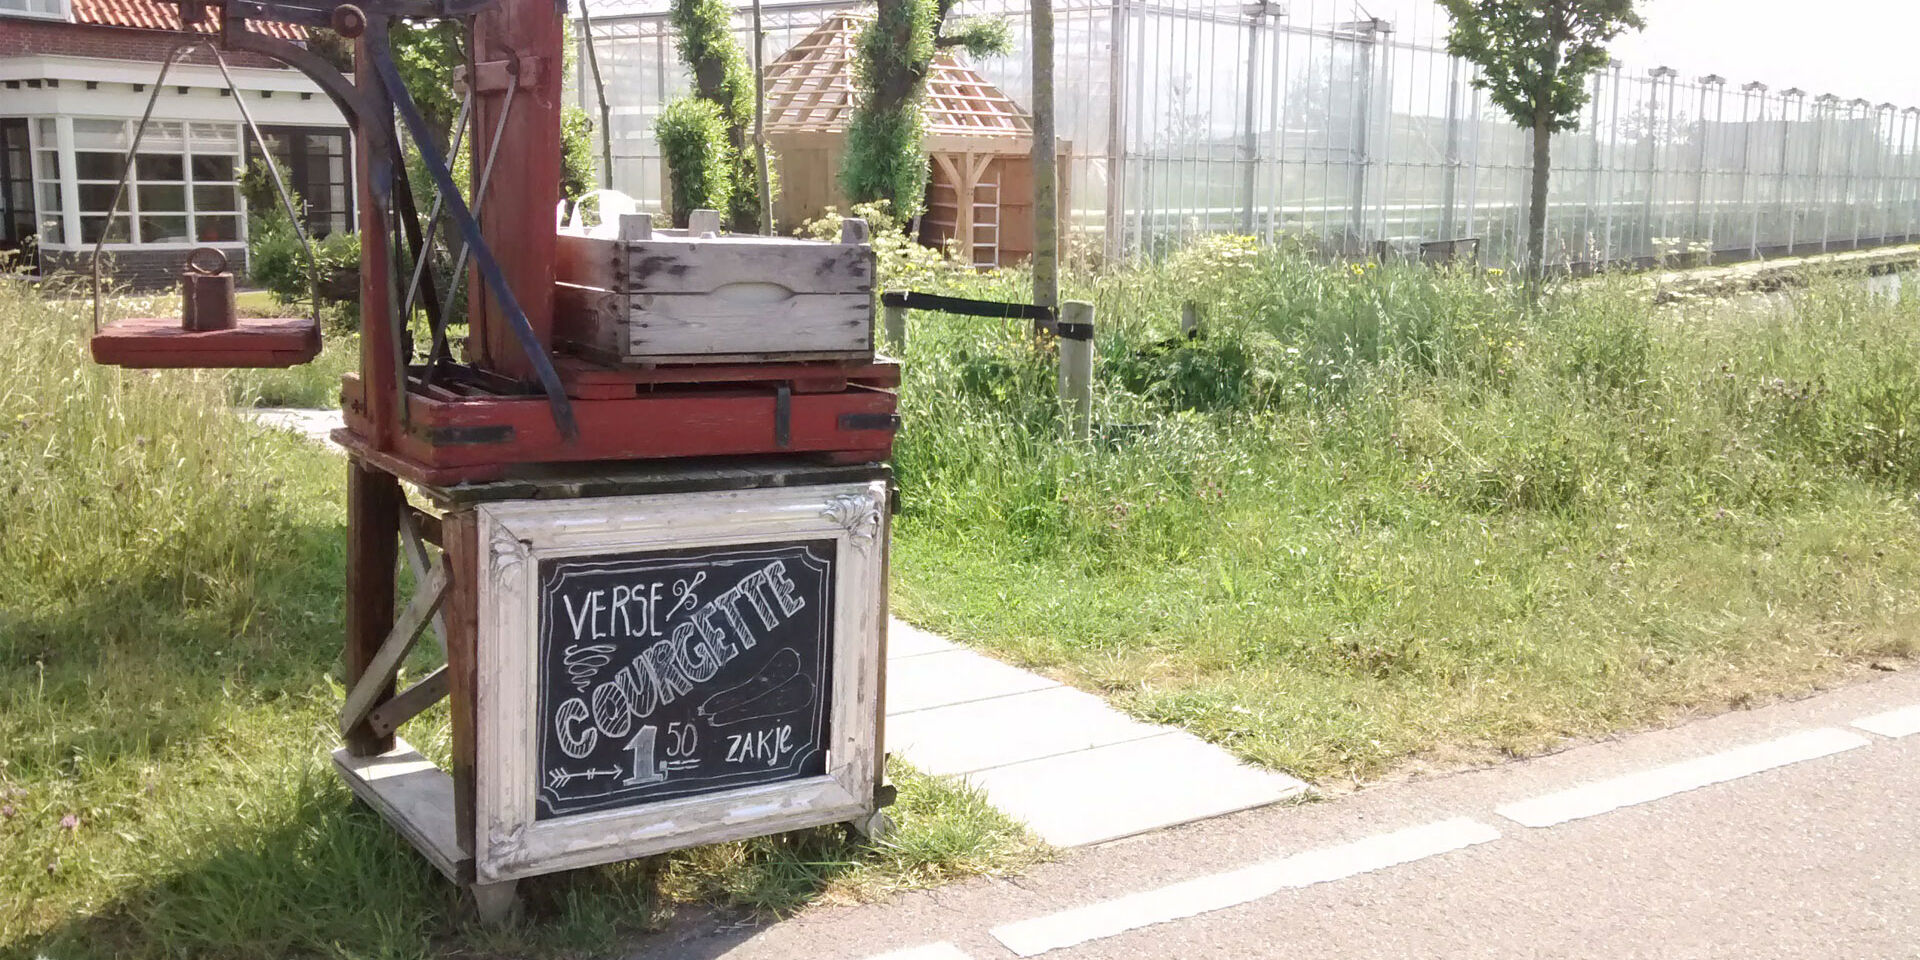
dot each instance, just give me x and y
(645, 516)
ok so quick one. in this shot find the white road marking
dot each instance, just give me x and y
(926, 951)
(1635, 788)
(1893, 723)
(1030, 938)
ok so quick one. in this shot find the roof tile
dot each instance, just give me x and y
(157, 15)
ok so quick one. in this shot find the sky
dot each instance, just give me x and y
(1854, 48)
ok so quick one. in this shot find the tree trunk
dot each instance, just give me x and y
(600, 90)
(761, 177)
(1537, 210)
(1046, 230)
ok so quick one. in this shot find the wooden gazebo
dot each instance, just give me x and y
(980, 193)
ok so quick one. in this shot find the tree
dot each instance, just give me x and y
(1534, 58)
(884, 160)
(721, 77)
(700, 162)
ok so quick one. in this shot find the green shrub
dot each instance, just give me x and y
(576, 153)
(276, 262)
(707, 46)
(693, 142)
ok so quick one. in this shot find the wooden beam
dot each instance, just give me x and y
(416, 797)
(419, 563)
(407, 704)
(462, 607)
(377, 678)
(373, 514)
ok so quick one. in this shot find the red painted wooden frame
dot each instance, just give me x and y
(162, 343)
(450, 438)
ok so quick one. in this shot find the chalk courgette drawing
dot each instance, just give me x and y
(779, 688)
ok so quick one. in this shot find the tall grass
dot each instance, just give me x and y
(1378, 512)
(169, 643)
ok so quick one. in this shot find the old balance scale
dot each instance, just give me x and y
(646, 516)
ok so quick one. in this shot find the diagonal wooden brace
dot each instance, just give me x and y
(414, 548)
(407, 704)
(386, 662)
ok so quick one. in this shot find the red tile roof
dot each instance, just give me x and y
(158, 15)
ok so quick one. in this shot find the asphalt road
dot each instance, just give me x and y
(1813, 858)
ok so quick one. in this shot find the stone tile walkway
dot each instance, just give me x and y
(312, 424)
(1075, 770)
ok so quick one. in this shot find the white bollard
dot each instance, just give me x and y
(896, 324)
(1075, 331)
(703, 223)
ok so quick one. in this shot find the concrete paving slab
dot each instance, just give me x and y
(953, 676)
(967, 737)
(1127, 788)
(906, 640)
(312, 424)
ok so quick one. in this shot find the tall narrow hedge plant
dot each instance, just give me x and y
(884, 159)
(700, 162)
(722, 78)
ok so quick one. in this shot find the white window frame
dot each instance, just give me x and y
(63, 11)
(510, 842)
(70, 183)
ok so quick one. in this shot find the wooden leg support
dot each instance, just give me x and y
(373, 545)
(496, 903)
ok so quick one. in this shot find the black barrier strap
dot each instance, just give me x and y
(1073, 331)
(966, 307)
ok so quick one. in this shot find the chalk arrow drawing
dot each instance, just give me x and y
(558, 778)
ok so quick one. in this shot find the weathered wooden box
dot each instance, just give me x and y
(689, 296)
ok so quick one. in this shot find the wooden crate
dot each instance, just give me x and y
(685, 296)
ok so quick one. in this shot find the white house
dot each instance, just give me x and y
(75, 77)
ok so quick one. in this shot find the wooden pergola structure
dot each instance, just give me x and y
(980, 194)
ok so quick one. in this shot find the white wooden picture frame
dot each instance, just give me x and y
(511, 842)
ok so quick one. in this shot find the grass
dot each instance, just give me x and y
(1375, 515)
(1380, 515)
(168, 673)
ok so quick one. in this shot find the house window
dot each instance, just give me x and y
(46, 182)
(16, 184)
(51, 9)
(314, 161)
(182, 192)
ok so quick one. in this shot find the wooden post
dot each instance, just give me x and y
(1076, 367)
(897, 325)
(522, 40)
(460, 557)
(966, 193)
(373, 548)
(1190, 320)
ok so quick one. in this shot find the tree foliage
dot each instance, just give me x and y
(1535, 55)
(701, 164)
(722, 78)
(1534, 58)
(884, 160)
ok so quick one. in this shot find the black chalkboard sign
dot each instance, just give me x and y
(673, 673)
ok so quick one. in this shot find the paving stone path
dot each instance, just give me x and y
(1072, 768)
